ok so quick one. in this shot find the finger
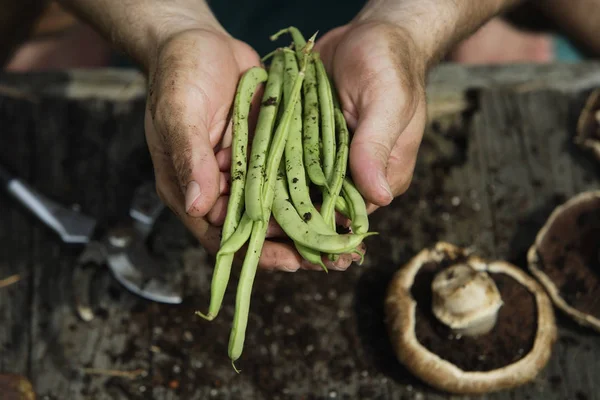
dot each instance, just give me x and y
(371, 208)
(401, 164)
(342, 262)
(308, 266)
(227, 139)
(280, 256)
(171, 196)
(216, 216)
(341, 220)
(274, 229)
(225, 178)
(382, 118)
(223, 157)
(185, 137)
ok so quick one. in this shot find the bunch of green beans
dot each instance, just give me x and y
(300, 143)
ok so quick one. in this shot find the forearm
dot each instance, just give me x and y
(577, 19)
(17, 19)
(137, 27)
(435, 25)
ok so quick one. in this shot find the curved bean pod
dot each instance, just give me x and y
(327, 117)
(312, 150)
(342, 207)
(310, 255)
(294, 163)
(249, 82)
(262, 137)
(360, 217)
(238, 238)
(297, 37)
(339, 173)
(244, 291)
(280, 137)
(259, 228)
(300, 232)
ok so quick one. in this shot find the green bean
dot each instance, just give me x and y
(238, 238)
(225, 257)
(247, 87)
(244, 291)
(249, 82)
(360, 218)
(280, 136)
(300, 232)
(297, 37)
(259, 228)
(342, 207)
(294, 163)
(311, 112)
(260, 144)
(327, 117)
(310, 255)
(339, 173)
(312, 151)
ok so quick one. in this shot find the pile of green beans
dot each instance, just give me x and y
(300, 143)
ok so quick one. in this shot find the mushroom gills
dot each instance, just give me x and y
(466, 300)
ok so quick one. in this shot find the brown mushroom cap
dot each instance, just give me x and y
(565, 258)
(588, 125)
(400, 307)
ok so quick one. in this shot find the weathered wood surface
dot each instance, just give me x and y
(486, 178)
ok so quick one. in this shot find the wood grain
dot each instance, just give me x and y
(487, 177)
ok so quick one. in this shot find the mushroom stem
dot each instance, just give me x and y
(466, 300)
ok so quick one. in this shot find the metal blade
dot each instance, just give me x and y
(138, 271)
(72, 226)
(151, 288)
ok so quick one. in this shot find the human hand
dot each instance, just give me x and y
(379, 62)
(193, 81)
(379, 75)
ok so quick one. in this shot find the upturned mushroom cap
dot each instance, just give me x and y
(565, 254)
(588, 125)
(466, 300)
(400, 307)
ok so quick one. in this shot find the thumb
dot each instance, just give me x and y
(198, 172)
(187, 142)
(381, 120)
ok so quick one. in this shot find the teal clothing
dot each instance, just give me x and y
(565, 51)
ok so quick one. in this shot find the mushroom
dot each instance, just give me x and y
(468, 326)
(465, 299)
(565, 258)
(588, 125)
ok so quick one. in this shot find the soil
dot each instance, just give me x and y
(570, 256)
(509, 341)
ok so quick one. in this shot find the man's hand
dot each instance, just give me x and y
(193, 67)
(379, 75)
(191, 88)
(379, 63)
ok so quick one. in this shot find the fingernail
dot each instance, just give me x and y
(192, 192)
(384, 185)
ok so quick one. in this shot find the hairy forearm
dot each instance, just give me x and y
(435, 25)
(17, 19)
(578, 19)
(137, 27)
